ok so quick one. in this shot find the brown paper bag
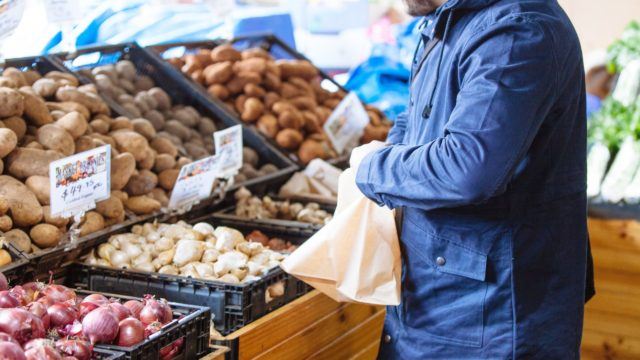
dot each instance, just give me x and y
(356, 256)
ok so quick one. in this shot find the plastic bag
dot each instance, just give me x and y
(356, 256)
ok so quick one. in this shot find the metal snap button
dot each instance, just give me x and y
(387, 338)
(440, 261)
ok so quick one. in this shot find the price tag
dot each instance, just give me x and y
(79, 181)
(229, 147)
(194, 182)
(346, 124)
(10, 16)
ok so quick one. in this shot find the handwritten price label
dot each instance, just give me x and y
(194, 182)
(346, 124)
(79, 181)
(229, 147)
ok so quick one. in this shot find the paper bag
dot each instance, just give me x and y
(356, 256)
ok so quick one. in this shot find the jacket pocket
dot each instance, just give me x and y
(444, 289)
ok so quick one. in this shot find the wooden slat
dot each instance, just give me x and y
(370, 352)
(612, 302)
(309, 340)
(612, 323)
(615, 234)
(279, 325)
(616, 282)
(352, 343)
(601, 345)
(613, 259)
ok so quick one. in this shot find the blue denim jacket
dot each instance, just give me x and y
(489, 166)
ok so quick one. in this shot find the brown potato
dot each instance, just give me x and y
(268, 125)
(252, 110)
(164, 162)
(144, 127)
(24, 162)
(131, 142)
(110, 208)
(163, 100)
(40, 187)
(54, 137)
(23, 204)
(290, 119)
(8, 141)
(46, 87)
(225, 53)
(74, 123)
(18, 125)
(91, 101)
(11, 102)
(45, 235)
(5, 223)
(141, 183)
(91, 223)
(218, 91)
(159, 195)
(164, 146)
(289, 139)
(19, 239)
(256, 64)
(312, 149)
(56, 221)
(218, 73)
(62, 77)
(122, 168)
(167, 178)
(141, 205)
(16, 76)
(35, 109)
(69, 106)
(121, 123)
(299, 68)
(4, 206)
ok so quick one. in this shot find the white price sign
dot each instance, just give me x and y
(194, 182)
(346, 124)
(79, 181)
(229, 147)
(10, 15)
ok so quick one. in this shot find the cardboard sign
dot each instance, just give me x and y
(228, 144)
(79, 181)
(346, 124)
(10, 15)
(194, 182)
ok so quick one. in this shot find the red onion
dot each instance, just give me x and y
(155, 310)
(169, 351)
(61, 314)
(7, 300)
(131, 332)
(32, 289)
(87, 307)
(11, 351)
(47, 301)
(20, 294)
(43, 353)
(7, 337)
(21, 324)
(72, 330)
(36, 343)
(100, 326)
(79, 349)
(4, 284)
(135, 307)
(168, 313)
(98, 299)
(69, 358)
(152, 328)
(58, 293)
(40, 310)
(120, 311)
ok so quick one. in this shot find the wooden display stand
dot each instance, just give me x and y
(612, 317)
(312, 327)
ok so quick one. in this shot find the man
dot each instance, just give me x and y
(488, 166)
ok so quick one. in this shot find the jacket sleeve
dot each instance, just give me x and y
(507, 85)
(396, 134)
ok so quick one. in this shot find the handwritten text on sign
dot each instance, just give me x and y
(194, 182)
(229, 147)
(79, 181)
(346, 124)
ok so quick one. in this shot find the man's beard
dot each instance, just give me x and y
(422, 7)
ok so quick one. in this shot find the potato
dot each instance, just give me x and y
(218, 91)
(74, 123)
(24, 206)
(312, 149)
(56, 221)
(19, 239)
(141, 205)
(195, 151)
(126, 69)
(69, 106)
(252, 110)
(11, 102)
(91, 223)
(164, 162)
(268, 125)
(110, 208)
(291, 119)
(91, 101)
(5, 223)
(100, 126)
(62, 77)
(225, 53)
(218, 73)
(53, 137)
(40, 187)
(4, 206)
(17, 124)
(45, 235)
(159, 195)
(7, 82)
(121, 123)
(182, 161)
(250, 156)
(141, 183)
(143, 82)
(144, 127)
(164, 146)
(122, 168)
(46, 87)
(132, 142)
(24, 162)
(16, 75)
(299, 68)
(187, 116)
(256, 64)
(289, 139)
(238, 83)
(207, 127)
(35, 109)
(162, 99)
(167, 178)
(175, 127)
(289, 91)
(8, 141)
(84, 143)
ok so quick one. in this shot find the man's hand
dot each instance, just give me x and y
(361, 151)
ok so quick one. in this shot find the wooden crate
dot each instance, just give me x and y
(612, 317)
(312, 327)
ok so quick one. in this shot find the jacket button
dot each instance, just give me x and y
(387, 339)
(440, 260)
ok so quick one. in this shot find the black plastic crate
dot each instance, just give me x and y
(179, 90)
(614, 211)
(193, 326)
(105, 354)
(18, 269)
(267, 41)
(232, 305)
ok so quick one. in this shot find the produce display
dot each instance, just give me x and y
(39, 321)
(199, 251)
(188, 131)
(613, 160)
(253, 207)
(283, 98)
